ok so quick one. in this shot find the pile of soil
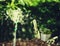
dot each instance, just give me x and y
(32, 42)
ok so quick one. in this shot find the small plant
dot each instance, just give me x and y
(45, 30)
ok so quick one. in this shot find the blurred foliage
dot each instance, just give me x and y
(46, 12)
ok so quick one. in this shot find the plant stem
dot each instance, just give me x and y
(14, 40)
(12, 4)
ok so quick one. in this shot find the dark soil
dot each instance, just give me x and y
(32, 42)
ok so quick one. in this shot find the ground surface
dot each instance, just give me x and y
(33, 42)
